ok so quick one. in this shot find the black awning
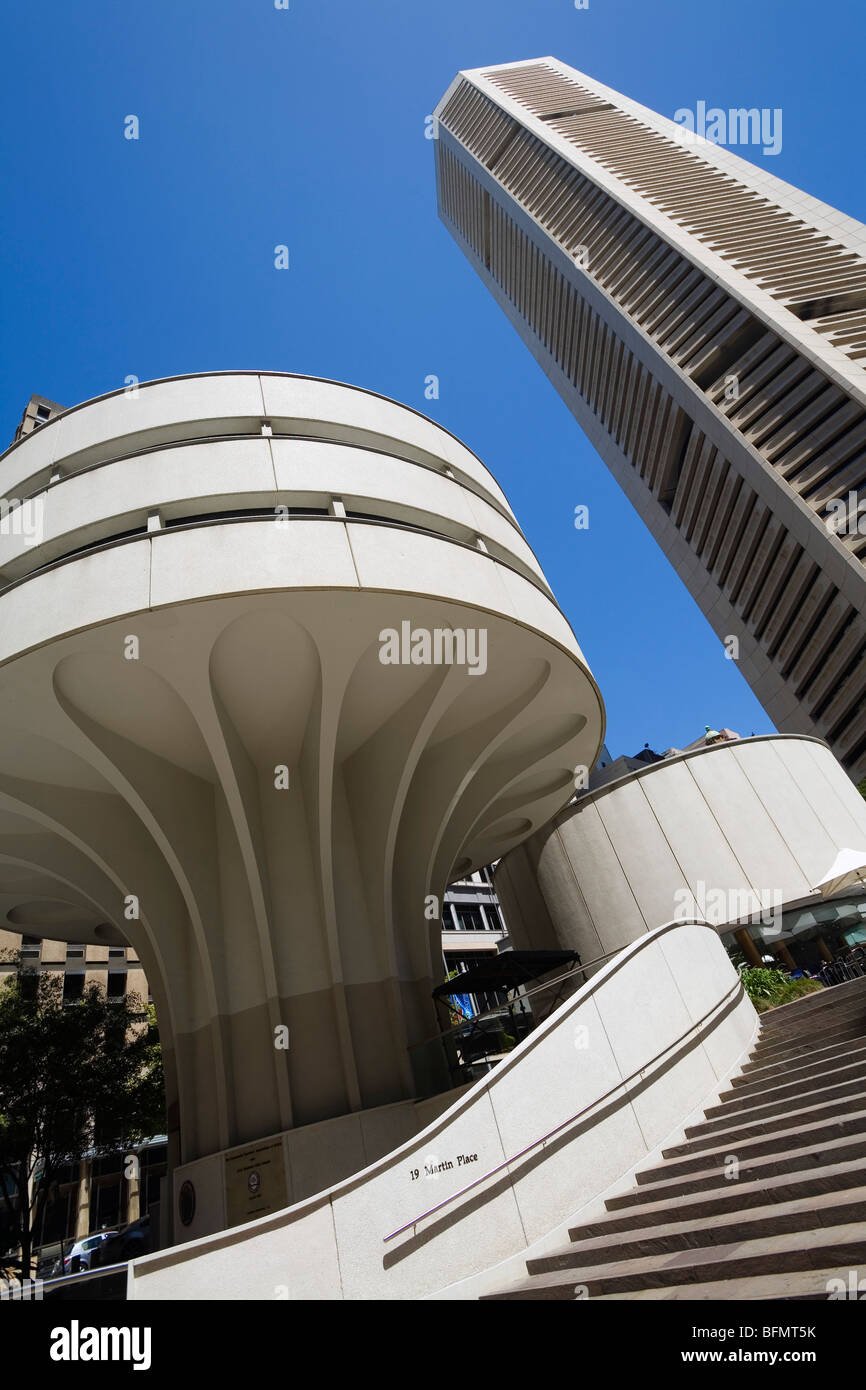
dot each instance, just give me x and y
(506, 971)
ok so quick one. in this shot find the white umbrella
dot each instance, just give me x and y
(847, 870)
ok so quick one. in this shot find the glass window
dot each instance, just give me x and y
(73, 988)
(116, 984)
(468, 917)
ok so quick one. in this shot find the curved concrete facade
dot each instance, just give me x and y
(205, 753)
(720, 833)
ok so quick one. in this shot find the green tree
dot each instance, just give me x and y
(75, 1079)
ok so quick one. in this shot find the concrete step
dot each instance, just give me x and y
(712, 1176)
(752, 1127)
(835, 1247)
(774, 1218)
(778, 1141)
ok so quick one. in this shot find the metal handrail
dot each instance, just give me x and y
(506, 1163)
(83, 1275)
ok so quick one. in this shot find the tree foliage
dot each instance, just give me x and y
(76, 1080)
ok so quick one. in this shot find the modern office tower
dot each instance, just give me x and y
(706, 324)
(276, 665)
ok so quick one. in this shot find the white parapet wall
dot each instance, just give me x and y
(615, 1071)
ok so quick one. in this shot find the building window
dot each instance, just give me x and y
(74, 952)
(468, 917)
(73, 988)
(494, 917)
(107, 1206)
(116, 984)
(117, 953)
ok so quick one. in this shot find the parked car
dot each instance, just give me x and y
(133, 1240)
(83, 1253)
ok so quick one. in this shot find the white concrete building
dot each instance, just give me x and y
(276, 665)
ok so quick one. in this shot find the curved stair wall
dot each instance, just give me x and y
(615, 1071)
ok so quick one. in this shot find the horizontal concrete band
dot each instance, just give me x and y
(181, 408)
(669, 1006)
(187, 483)
(185, 565)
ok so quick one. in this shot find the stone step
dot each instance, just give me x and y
(782, 1047)
(835, 1023)
(751, 1126)
(842, 1052)
(802, 1026)
(784, 1014)
(775, 1088)
(834, 1247)
(774, 1218)
(805, 1056)
(813, 1005)
(776, 1141)
(792, 1225)
(827, 1153)
(803, 1286)
(743, 1196)
(799, 1025)
(725, 1116)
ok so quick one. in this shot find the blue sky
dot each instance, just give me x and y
(305, 127)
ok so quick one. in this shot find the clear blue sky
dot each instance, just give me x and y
(306, 127)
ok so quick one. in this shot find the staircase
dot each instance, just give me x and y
(795, 1119)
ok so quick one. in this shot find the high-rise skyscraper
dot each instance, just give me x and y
(706, 325)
